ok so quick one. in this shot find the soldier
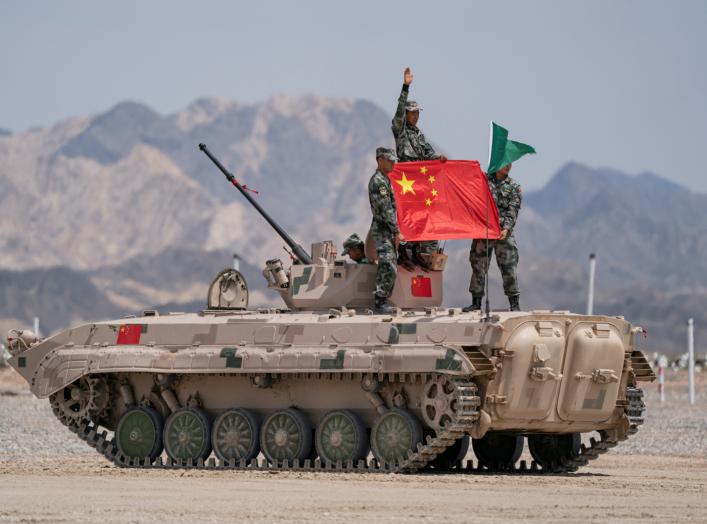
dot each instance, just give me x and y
(410, 144)
(507, 195)
(384, 228)
(353, 247)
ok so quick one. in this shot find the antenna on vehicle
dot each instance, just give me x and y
(298, 250)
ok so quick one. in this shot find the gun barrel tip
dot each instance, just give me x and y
(202, 146)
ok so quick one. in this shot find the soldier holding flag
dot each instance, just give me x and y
(507, 196)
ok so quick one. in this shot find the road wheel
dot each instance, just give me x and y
(498, 450)
(550, 451)
(235, 435)
(341, 437)
(286, 435)
(394, 435)
(187, 434)
(139, 434)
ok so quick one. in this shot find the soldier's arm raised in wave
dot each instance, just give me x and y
(399, 118)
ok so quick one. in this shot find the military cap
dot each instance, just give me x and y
(351, 242)
(411, 106)
(386, 153)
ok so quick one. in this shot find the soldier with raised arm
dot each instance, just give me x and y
(410, 143)
(384, 228)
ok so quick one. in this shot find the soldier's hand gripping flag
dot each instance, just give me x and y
(442, 201)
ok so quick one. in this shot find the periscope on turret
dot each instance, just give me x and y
(324, 383)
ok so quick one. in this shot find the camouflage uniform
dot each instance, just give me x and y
(507, 195)
(384, 227)
(412, 146)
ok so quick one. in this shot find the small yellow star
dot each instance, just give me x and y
(434, 192)
(406, 185)
(423, 170)
(431, 178)
(428, 201)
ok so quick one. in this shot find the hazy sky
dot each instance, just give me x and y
(617, 83)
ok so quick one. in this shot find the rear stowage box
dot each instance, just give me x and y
(592, 370)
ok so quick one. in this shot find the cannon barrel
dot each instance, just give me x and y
(297, 250)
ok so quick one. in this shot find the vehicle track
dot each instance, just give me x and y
(417, 461)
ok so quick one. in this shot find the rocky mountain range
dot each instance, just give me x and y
(109, 214)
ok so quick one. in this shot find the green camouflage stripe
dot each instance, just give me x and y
(301, 280)
(448, 362)
(232, 361)
(333, 363)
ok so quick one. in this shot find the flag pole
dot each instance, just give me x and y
(488, 262)
(488, 258)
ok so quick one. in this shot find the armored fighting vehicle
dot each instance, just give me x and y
(325, 383)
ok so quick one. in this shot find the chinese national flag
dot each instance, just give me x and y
(421, 286)
(442, 201)
(129, 334)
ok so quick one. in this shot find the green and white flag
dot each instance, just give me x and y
(503, 151)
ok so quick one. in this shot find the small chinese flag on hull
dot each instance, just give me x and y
(129, 334)
(421, 286)
(444, 201)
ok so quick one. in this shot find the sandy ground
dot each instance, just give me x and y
(621, 489)
(46, 475)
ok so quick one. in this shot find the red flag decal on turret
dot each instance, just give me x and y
(421, 287)
(129, 334)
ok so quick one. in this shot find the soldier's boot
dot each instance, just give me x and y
(475, 305)
(404, 258)
(383, 308)
(418, 259)
(514, 301)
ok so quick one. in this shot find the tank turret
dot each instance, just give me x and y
(321, 281)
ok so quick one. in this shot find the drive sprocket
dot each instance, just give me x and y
(87, 398)
(440, 403)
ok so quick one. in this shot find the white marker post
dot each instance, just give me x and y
(691, 361)
(236, 262)
(590, 294)
(36, 326)
(662, 364)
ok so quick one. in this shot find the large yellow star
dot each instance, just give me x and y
(431, 178)
(434, 192)
(428, 201)
(423, 170)
(406, 184)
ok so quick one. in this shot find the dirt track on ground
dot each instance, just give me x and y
(615, 488)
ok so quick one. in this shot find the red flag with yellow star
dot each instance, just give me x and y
(443, 201)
